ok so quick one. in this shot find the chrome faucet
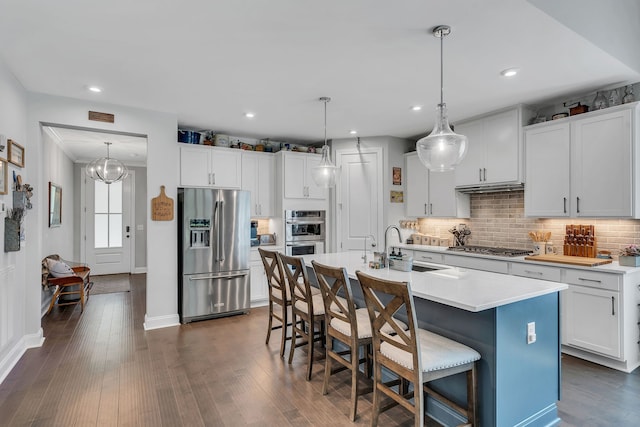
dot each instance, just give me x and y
(373, 245)
(385, 236)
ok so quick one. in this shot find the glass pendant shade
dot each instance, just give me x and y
(443, 149)
(106, 169)
(326, 174)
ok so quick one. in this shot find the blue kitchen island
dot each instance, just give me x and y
(518, 380)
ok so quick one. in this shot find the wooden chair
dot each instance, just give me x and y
(347, 325)
(307, 309)
(279, 295)
(416, 355)
(77, 284)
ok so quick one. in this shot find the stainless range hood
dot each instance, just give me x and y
(491, 188)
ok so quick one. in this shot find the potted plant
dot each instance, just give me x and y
(630, 256)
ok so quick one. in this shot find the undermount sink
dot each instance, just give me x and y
(421, 268)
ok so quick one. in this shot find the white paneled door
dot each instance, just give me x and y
(107, 226)
(359, 199)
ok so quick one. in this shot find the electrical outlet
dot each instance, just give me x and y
(531, 332)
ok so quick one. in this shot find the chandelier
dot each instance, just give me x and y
(106, 169)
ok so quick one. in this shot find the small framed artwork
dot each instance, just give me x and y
(397, 197)
(397, 176)
(16, 153)
(4, 167)
(55, 205)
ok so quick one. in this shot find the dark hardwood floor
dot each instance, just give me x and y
(100, 368)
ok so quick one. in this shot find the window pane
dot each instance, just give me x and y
(115, 197)
(101, 197)
(101, 235)
(115, 230)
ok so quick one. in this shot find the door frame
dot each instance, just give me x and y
(132, 216)
(380, 152)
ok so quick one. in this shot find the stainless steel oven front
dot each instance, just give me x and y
(304, 226)
(301, 248)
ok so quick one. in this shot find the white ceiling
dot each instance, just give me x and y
(209, 62)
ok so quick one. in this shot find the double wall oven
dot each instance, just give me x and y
(305, 232)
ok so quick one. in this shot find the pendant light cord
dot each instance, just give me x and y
(325, 121)
(441, 69)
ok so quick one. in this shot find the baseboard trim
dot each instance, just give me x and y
(158, 322)
(14, 355)
(139, 270)
(259, 303)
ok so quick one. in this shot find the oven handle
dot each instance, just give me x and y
(305, 222)
(307, 243)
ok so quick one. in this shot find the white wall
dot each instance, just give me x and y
(57, 167)
(19, 298)
(162, 169)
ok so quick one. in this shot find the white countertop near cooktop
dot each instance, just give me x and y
(467, 289)
(612, 267)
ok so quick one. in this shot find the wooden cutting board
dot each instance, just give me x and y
(573, 260)
(162, 207)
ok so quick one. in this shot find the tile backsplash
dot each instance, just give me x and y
(497, 219)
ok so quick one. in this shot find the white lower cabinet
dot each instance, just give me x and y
(599, 312)
(259, 286)
(592, 320)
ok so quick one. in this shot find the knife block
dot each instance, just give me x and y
(580, 240)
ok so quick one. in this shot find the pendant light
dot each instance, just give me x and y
(106, 169)
(442, 149)
(326, 174)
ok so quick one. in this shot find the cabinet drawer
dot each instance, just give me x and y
(593, 279)
(485, 264)
(536, 271)
(428, 257)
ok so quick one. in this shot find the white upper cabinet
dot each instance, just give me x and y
(298, 182)
(204, 166)
(547, 154)
(495, 154)
(258, 177)
(432, 194)
(584, 166)
(601, 165)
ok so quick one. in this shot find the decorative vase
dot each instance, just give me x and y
(628, 95)
(11, 235)
(614, 98)
(629, 261)
(600, 101)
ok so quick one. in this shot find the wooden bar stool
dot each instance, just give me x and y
(307, 309)
(416, 355)
(279, 296)
(347, 325)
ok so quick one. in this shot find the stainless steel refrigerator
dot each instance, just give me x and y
(214, 236)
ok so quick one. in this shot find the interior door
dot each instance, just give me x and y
(359, 199)
(107, 234)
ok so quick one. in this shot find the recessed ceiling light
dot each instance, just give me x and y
(249, 115)
(353, 132)
(416, 108)
(509, 72)
(94, 89)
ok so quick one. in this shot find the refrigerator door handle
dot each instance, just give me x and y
(216, 224)
(226, 276)
(220, 237)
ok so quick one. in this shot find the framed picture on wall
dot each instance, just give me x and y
(16, 153)
(397, 176)
(55, 205)
(4, 167)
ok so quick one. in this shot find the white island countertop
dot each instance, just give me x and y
(471, 290)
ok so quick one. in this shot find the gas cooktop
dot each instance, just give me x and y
(487, 250)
